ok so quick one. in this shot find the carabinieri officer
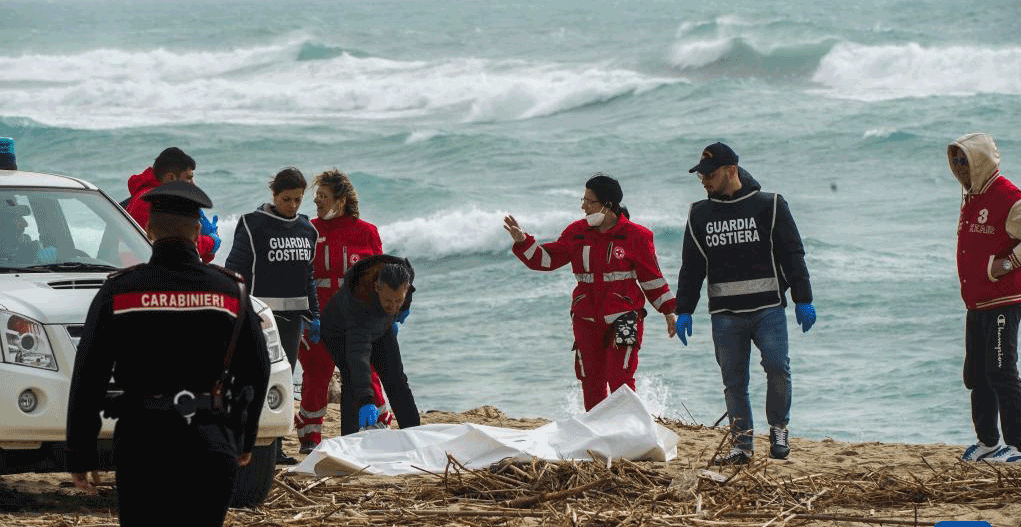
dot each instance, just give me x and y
(180, 340)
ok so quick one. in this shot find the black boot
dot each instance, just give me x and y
(282, 458)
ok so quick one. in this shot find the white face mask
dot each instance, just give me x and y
(330, 215)
(595, 219)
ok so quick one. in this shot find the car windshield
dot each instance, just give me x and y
(45, 229)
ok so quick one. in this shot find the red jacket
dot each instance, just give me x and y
(140, 185)
(982, 236)
(615, 269)
(342, 242)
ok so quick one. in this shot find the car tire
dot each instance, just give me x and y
(252, 484)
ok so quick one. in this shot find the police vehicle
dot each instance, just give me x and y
(59, 238)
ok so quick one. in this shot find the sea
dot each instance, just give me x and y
(449, 115)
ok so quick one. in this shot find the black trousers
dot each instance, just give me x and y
(990, 372)
(289, 324)
(173, 474)
(386, 359)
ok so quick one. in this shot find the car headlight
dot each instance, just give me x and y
(25, 342)
(269, 329)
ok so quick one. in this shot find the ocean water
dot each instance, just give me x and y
(451, 114)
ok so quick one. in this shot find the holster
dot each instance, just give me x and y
(238, 404)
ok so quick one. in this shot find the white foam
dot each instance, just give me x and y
(475, 231)
(109, 88)
(871, 73)
(466, 231)
(689, 55)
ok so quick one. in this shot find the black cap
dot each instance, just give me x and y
(714, 156)
(179, 198)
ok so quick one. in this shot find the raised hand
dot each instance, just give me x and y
(511, 225)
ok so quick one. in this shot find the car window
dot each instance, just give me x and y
(60, 228)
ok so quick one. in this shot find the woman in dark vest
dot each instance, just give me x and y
(273, 250)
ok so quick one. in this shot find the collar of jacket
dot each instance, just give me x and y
(174, 250)
(749, 186)
(621, 220)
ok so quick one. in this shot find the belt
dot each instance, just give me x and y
(184, 402)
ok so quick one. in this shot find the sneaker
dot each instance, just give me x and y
(307, 447)
(779, 448)
(736, 456)
(1007, 454)
(979, 451)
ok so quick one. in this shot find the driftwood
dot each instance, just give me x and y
(688, 492)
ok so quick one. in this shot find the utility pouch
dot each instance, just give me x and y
(625, 329)
(238, 402)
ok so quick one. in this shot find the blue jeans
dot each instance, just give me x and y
(733, 334)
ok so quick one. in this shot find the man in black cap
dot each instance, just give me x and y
(746, 244)
(177, 335)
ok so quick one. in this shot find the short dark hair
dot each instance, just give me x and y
(394, 275)
(164, 225)
(173, 160)
(287, 179)
(607, 191)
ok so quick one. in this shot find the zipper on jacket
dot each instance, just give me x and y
(345, 260)
(609, 252)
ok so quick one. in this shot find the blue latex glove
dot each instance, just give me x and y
(47, 255)
(209, 228)
(400, 318)
(216, 241)
(367, 415)
(683, 325)
(313, 330)
(805, 315)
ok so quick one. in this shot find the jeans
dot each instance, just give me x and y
(733, 334)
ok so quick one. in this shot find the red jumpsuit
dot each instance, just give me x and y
(342, 242)
(140, 185)
(616, 270)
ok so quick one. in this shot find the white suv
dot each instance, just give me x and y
(59, 239)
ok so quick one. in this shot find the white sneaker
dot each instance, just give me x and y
(979, 451)
(1007, 454)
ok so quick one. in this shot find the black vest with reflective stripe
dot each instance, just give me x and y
(282, 249)
(736, 239)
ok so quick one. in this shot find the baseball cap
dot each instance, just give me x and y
(714, 156)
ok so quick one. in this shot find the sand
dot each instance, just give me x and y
(50, 500)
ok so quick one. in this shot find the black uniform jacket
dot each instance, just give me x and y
(354, 320)
(159, 328)
(748, 247)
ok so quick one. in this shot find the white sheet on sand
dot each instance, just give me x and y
(619, 427)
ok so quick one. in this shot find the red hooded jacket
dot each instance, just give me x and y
(140, 185)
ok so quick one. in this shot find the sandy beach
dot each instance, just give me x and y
(825, 483)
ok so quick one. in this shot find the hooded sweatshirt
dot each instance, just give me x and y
(139, 209)
(748, 247)
(989, 227)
